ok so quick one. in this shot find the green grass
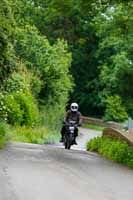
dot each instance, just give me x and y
(38, 135)
(94, 127)
(4, 131)
(2, 142)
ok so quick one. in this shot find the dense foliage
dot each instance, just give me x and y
(115, 53)
(49, 62)
(47, 48)
(34, 74)
(114, 109)
(99, 35)
(7, 56)
(113, 149)
(4, 134)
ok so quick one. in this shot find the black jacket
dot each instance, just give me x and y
(73, 116)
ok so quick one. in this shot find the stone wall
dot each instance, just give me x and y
(100, 122)
(114, 133)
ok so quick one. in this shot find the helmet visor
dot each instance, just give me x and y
(74, 107)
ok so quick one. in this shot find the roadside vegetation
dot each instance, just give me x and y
(93, 127)
(113, 149)
(4, 134)
(54, 52)
(37, 135)
(35, 81)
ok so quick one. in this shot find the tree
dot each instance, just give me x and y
(71, 21)
(98, 34)
(115, 52)
(7, 55)
(51, 63)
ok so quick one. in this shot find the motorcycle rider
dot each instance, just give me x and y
(72, 115)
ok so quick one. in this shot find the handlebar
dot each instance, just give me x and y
(68, 124)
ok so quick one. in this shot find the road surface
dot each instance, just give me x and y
(39, 172)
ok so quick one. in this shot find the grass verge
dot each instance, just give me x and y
(3, 134)
(113, 149)
(38, 135)
(94, 127)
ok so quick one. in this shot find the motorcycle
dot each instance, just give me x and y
(69, 134)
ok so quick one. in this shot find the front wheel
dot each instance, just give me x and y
(67, 145)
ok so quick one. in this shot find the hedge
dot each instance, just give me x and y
(113, 149)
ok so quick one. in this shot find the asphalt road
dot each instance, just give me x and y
(35, 172)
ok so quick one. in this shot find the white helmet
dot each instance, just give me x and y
(74, 107)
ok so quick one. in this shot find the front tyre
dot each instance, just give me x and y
(69, 147)
(65, 145)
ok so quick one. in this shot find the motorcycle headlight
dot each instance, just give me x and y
(71, 128)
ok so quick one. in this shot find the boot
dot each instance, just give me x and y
(74, 141)
(62, 139)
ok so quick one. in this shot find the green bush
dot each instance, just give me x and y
(4, 131)
(52, 116)
(19, 108)
(16, 82)
(7, 27)
(94, 144)
(3, 108)
(130, 157)
(13, 110)
(115, 111)
(22, 80)
(50, 62)
(113, 149)
(28, 107)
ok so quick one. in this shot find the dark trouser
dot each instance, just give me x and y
(63, 130)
